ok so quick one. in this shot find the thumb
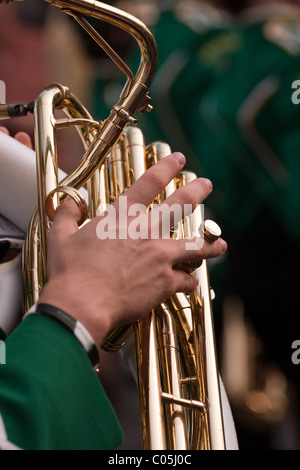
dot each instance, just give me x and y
(65, 222)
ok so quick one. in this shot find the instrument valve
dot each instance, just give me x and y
(210, 230)
(145, 105)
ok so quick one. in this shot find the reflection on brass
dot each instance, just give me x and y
(75, 195)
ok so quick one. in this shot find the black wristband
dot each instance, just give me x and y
(78, 330)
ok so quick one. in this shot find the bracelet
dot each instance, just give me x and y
(78, 330)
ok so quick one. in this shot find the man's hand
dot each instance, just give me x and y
(110, 282)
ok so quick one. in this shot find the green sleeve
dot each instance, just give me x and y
(50, 396)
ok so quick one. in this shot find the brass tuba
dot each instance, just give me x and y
(178, 379)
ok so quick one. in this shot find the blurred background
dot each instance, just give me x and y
(222, 96)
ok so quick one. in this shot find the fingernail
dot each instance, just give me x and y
(208, 183)
(179, 157)
(223, 246)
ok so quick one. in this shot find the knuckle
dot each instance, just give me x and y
(187, 195)
(161, 254)
(168, 280)
(198, 191)
(156, 178)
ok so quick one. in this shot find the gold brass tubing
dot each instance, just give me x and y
(116, 339)
(86, 127)
(204, 328)
(48, 100)
(171, 372)
(47, 168)
(135, 95)
(148, 367)
(127, 22)
(181, 309)
(78, 116)
(98, 191)
(47, 165)
(180, 305)
(74, 194)
(189, 380)
(155, 152)
(118, 170)
(136, 100)
(62, 123)
(97, 152)
(32, 277)
(104, 45)
(135, 152)
(197, 405)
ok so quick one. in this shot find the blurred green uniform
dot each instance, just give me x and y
(224, 99)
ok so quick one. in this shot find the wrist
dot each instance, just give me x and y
(57, 293)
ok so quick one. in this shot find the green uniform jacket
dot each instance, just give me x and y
(50, 396)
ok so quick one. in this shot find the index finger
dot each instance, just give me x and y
(155, 179)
